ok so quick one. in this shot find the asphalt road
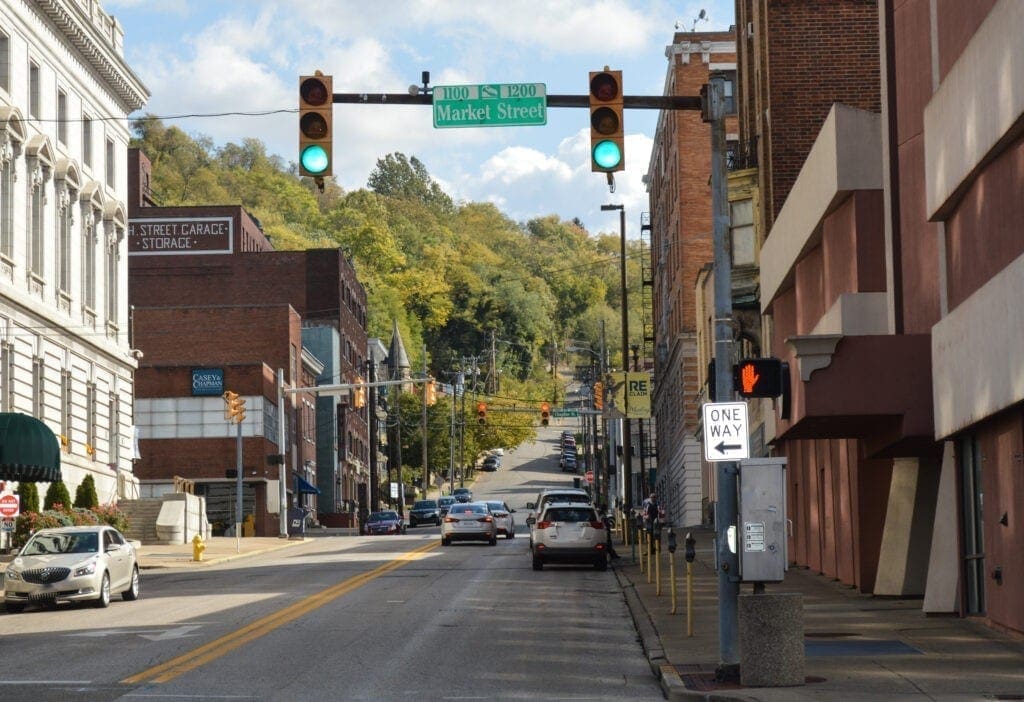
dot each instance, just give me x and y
(350, 618)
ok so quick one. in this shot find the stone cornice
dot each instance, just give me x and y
(97, 48)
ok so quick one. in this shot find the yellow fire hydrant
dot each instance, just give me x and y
(197, 548)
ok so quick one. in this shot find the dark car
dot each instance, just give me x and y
(491, 463)
(425, 512)
(386, 522)
(462, 494)
(443, 503)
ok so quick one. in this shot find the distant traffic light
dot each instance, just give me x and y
(758, 377)
(481, 412)
(234, 407)
(607, 150)
(545, 413)
(359, 394)
(430, 392)
(316, 104)
(598, 395)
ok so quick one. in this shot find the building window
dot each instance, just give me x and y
(38, 387)
(7, 177)
(90, 419)
(87, 140)
(741, 219)
(115, 429)
(5, 62)
(110, 274)
(6, 376)
(62, 117)
(36, 204)
(33, 90)
(89, 217)
(65, 219)
(65, 405)
(110, 163)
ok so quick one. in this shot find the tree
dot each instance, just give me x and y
(85, 494)
(401, 177)
(57, 494)
(29, 494)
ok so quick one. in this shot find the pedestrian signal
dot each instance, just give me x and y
(758, 377)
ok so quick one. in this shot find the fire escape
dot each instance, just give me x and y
(646, 444)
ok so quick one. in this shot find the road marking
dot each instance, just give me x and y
(215, 649)
(179, 632)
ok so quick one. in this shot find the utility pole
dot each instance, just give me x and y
(426, 469)
(627, 431)
(725, 517)
(371, 412)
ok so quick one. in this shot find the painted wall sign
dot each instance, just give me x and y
(176, 236)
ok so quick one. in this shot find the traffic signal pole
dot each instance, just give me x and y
(725, 515)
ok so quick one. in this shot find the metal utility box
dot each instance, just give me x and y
(762, 520)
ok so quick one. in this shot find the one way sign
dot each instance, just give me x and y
(726, 437)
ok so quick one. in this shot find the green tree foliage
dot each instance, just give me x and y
(29, 494)
(453, 275)
(85, 494)
(57, 497)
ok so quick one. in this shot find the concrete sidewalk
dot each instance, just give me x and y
(219, 549)
(857, 647)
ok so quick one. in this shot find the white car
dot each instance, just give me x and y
(570, 532)
(503, 519)
(71, 564)
(549, 495)
(469, 521)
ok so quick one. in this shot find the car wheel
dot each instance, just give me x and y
(437, 522)
(132, 593)
(446, 541)
(493, 540)
(15, 607)
(412, 523)
(510, 535)
(104, 598)
(538, 564)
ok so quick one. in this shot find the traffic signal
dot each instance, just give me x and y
(607, 151)
(545, 413)
(359, 395)
(234, 407)
(758, 377)
(481, 412)
(430, 392)
(316, 104)
(598, 395)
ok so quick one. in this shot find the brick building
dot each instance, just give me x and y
(680, 202)
(208, 276)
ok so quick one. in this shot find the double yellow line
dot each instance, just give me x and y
(229, 642)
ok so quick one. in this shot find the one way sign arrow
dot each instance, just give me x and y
(726, 436)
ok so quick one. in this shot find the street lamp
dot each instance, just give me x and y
(626, 430)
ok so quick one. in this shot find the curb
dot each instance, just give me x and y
(187, 562)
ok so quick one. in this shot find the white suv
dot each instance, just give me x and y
(569, 532)
(549, 495)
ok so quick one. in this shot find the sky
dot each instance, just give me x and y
(201, 59)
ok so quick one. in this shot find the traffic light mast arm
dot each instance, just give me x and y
(343, 388)
(636, 102)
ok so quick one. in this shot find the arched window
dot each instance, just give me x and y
(39, 165)
(66, 185)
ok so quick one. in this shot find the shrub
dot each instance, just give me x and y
(57, 497)
(29, 494)
(30, 522)
(85, 494)
(112, 515)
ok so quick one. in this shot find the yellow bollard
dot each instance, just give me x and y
(657, 567)
(650, 558)
(197, 548)
(672, 577)
(689, 599)
(641, 548)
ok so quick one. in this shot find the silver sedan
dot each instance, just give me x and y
(71, 564)
(469, 521)
(503, 519)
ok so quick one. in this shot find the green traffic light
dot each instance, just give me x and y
(314, 159)
(607, 154)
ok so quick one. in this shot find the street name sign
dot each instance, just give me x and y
(490, 105)
(726, 437)
(565, 413)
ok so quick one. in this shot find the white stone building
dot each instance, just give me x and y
(65, 351)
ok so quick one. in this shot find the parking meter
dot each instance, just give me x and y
(671, 541)
(691, 550)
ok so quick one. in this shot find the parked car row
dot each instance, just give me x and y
(567, 459)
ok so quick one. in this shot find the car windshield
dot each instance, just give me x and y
(460, 491)
(559, 497)
(425, 504)
(383, 516)
(62, 542)
(497, 506)
(446, 500)
(569, 514)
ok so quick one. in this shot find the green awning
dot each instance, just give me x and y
(28, 450)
